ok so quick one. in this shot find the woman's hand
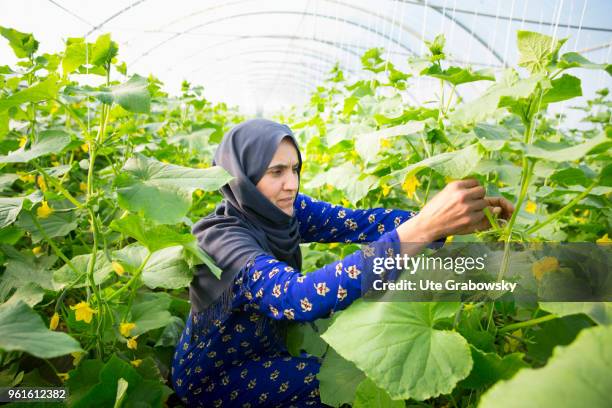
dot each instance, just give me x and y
(456, 210)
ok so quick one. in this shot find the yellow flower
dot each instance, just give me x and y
(85, 147)
(544, 265)
(386, 189)
(44, 211)
(136, 363)
(55, 163)
(333, 245)
(325, 158)
(500, 183)
(37, 250)
(54, 321)
(449, 239)
(78, 356)
(27, 178)
(345, 202)
(125, 328)
(63, 376)
(386, 143)
(118, 268)
(531, 207)
(83, 312)
(199, 193)
(132, 344)
(202, 165)
(586, 213)
(23, 140)
(604, 240)
(410, 185)
(165, 161)
(448, 179)
(41, 183)
(83, 187)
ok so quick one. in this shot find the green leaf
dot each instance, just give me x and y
(343, 178)
(82, 378)
(167, 269)
(489, 368)
(40, 92)
(397, 347)
(140, 392)
(122, 387)
(543, 151)
(74, 55)
(23, 330)
(22, 269)
(458, 75)
(599, 312)
(132, 95)
(368, 395)
(457, 164)
(575, 60)
(9, 210)
(23, 45)
(509, 87)
(162, 192)
(104, 50)
(172, 333)
(30, 294)
(368, 144)
(151, 313)
(58, 224)
(65, 275)
(570, 176)
(576, 375)
(154, 237)
(564, 88)
(537, 50)
(338, 380)
(49, 141)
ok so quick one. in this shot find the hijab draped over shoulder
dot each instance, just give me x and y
(245, 224)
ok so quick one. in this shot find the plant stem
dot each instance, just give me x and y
(527, 323)
(132, 279)
(563, 210)
(59, 187)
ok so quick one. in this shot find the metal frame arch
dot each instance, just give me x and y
(261, 65)
(240, 15)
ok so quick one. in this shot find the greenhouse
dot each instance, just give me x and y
(320, 203)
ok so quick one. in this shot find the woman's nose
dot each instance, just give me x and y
(291, 183)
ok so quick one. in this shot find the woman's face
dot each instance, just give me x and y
(280, 182)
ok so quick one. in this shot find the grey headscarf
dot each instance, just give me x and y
(245, 224)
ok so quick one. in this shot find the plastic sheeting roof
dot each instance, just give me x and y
(265, 54)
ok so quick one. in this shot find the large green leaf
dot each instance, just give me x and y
(132, 95)
(599, 312)
(49, 141)
(58, 224)
(22, 269)
(167, 269)
(509, 87)
(562, 89)
(397, 346)
(576, 152)
(162, 192)
(343, 178)
(489, 368)
(9, 210)
(30, 294)
(457, 164)
(338, 380)
(153, 237)
(66, 275)
(23, 330)
(42, 91)
(458, 75)
(368, 395)
(104, 50)
(141, 392)
(150, 313)
(575, 60)
(23, 45)
(577, 375)
(536, 50)
(368, 144)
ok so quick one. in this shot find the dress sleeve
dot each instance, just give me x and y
(324, 222)
(281, 292)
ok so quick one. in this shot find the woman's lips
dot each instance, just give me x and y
(285, 200)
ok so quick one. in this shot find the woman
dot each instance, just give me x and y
(231, 352)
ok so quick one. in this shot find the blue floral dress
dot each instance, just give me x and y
(243, 361)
